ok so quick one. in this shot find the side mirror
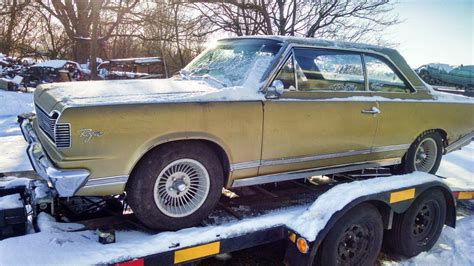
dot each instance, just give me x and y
(276, 89)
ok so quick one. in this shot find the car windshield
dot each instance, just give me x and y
(233, 62)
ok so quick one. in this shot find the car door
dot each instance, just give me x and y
(325, 116)
(401, 111)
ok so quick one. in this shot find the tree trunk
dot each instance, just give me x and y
(81, 50)
(8, 38)
(96, 5)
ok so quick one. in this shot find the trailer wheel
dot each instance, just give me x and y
(417, 229)
(355, 239)
(424, 155)
(176, 186)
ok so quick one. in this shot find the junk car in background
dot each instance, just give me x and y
(133, 68)
(53, 71)
(461, 77)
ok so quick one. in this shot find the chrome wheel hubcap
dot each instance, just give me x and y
(425, 155)
(181, 188)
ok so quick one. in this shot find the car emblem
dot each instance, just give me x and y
(88, 134)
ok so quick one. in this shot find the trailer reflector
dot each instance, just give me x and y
(197, 252)
(465, 195)
(402, 195)
(292, 237)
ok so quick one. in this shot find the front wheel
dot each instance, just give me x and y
(424, 155)
(175, 186)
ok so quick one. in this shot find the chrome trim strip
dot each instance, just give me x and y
(245, 165)
(391, 148)
(312, 158)
(311, 172)
(299, 159)
(105, 181)
(458, 144)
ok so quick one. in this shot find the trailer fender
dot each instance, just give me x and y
(388, 203)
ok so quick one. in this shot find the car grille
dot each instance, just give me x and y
(58, 133)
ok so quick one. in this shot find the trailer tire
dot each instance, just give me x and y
(417, 229)
(430, 145)
(165, 187)
(355, 239)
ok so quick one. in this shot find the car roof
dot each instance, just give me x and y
(55, 63)
(306, 41)
(390, 53)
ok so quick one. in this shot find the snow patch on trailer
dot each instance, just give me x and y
(315, 218)
(11, 202)
(12, 181)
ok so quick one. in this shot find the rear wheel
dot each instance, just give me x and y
(417, 229)
(424, 155)
(355, 239)
(176, 186)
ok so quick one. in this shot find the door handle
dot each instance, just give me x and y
(372, 111)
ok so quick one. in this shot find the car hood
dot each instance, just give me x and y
(92, 93)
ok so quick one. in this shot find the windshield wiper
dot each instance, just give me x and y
(207, 76)
(184, 74)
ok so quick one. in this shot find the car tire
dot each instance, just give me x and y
(175, 186)
(355, 239)
(417, 229)
(423, 155)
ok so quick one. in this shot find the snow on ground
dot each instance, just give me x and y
(11, 105)
(458, 168)
(13, 154)
(12, 144)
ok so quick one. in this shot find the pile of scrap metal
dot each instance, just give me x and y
(460, 77)
(21, 76)
(133, 68)
(9, 67)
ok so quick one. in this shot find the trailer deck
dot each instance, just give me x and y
(246, 217)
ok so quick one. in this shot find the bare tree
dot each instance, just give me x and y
(173, 31)
(335, 19)
(76, 18)
(13, 25)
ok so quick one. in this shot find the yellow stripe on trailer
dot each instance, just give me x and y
(465, 195)
(402, 195)
(197, 252)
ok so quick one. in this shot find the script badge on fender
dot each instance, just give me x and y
(88, 134)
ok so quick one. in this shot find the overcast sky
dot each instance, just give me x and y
(435, 31)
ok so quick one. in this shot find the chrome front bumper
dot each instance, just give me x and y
(65, 181)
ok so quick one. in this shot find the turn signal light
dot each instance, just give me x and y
(302, 245)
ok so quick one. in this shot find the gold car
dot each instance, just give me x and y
(246, 111)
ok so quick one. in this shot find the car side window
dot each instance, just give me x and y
(287, 75)
(382, 77)
(327, 70)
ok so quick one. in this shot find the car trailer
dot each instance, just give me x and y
(381, 203)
